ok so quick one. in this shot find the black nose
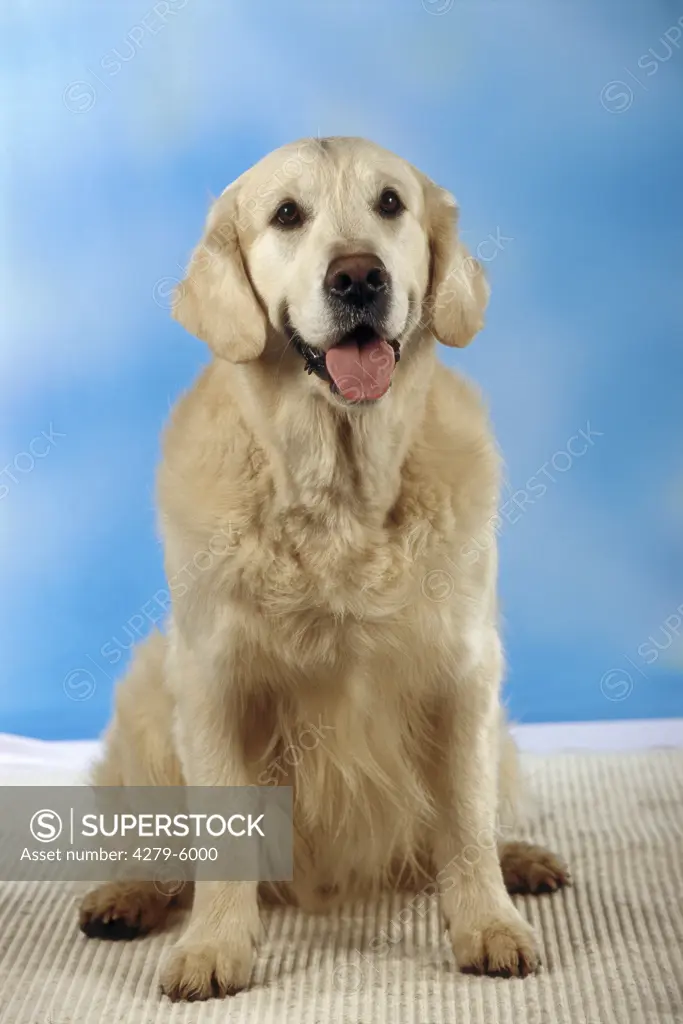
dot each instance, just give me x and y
(360, 280)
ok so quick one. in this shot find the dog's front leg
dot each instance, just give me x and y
(214, 955)
(487, 933)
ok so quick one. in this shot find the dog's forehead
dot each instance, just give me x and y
(337, 166)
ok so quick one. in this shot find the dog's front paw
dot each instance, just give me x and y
(500, 946)
(202, 970)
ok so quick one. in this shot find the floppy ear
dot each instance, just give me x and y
(216, 301)
(458, 292)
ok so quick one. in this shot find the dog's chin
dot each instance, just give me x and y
(356, 367)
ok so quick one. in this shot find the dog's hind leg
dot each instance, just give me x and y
(125, 910)
(526, 867)
(138, 751)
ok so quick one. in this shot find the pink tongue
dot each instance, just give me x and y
(361, 374)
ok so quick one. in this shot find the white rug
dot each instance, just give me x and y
(612, 945)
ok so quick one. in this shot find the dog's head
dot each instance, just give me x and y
(339, 251)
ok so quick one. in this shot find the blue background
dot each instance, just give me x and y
(548, 122)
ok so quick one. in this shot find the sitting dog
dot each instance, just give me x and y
(344, 485)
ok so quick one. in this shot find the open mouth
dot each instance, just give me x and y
(359, 367)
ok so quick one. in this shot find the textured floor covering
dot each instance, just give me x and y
(612, 945)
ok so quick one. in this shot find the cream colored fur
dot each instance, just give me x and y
(332, 572)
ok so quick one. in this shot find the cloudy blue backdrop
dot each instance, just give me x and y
(559, 128)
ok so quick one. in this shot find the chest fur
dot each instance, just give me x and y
(330, 589)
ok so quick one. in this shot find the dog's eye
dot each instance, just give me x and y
(288, 214)
(390, 204)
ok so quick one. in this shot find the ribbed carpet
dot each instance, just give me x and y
(612, 945)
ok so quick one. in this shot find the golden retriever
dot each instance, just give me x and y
(341, 485)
